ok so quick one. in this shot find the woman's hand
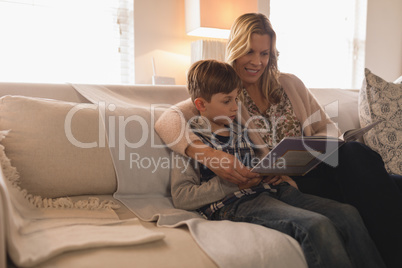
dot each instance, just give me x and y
(224, 165)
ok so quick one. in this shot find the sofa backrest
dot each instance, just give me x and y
(341, 101)
(49, 164)
(44, 170)
(65, 92)
(341, 105)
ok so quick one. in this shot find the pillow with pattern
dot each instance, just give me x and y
(382, 100)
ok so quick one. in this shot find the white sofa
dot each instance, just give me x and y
(177, 248)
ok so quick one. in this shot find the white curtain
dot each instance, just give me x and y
(79, 41)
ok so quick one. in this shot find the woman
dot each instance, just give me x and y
(279, 105)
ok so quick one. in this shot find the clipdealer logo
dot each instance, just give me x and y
(141, 125)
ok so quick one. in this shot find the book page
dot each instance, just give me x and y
(312, 138)
(354, 134)
(299, 158)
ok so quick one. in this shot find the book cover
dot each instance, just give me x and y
(295, 156)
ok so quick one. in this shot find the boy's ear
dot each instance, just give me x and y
(200, 104)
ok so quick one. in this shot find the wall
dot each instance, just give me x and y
(384, 38)
(160, 33)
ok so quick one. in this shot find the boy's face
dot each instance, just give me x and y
(222, 109)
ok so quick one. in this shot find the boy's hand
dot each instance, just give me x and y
(231, 169)
(224, 165)
(276, 179)
(250, 183)
(273, 179)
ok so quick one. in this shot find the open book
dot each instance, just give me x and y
(298, 155)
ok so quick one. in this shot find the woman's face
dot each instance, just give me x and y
(251, 66)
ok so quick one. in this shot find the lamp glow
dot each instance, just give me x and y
(213, 18)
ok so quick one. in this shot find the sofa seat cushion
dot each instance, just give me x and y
(382, 100)
(56, 147)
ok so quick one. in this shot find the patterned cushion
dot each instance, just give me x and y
(382, 100)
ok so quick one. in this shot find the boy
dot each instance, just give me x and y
(331, 234)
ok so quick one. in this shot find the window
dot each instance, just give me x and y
(321, 41)
(77, 41)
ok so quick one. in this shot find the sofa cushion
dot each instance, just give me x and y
(54, 160)
(340, 105)
(382, 100)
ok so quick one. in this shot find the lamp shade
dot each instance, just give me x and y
(208, 49)
(213, 18)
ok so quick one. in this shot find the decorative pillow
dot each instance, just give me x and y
(50, 160)
(381, 100)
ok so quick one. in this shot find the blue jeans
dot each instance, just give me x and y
(361, 180)
(330, 233)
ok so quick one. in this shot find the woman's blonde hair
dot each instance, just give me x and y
(239, 44)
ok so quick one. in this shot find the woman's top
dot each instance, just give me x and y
(173, 129)
(277, 122)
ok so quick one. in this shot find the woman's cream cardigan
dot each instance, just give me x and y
(173, 129)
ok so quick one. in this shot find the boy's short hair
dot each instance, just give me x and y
(208, 77)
